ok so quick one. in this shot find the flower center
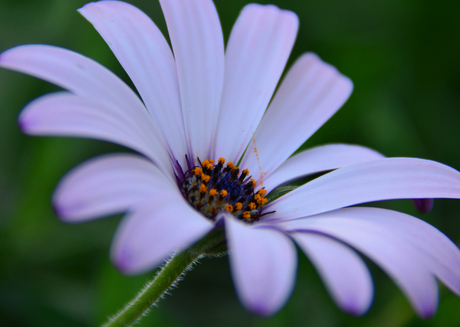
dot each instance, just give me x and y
(214, 188)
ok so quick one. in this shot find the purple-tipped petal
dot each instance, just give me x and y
(155, 230)
(310, 94)
(256, 54)
(198, 45)
(107, 185)
(411, 251)
(87, 79)
(384, 179)
(423, 206)
(345, 274)
(66, 114)
(318, 159)
(263, 264)
(147, 58)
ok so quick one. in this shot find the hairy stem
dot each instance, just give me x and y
(168, 275)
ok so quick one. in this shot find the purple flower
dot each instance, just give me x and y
(207, 103)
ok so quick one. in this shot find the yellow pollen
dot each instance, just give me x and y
(262, 201)
(262, 192)
(216, 185)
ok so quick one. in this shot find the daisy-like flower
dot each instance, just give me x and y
(214, 147)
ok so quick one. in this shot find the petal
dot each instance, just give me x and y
(147, 58)
(309, 95)
(263, 264)
(107, 185)
(318, 159)
(161, 226)
(257, 51)
(63, 113)
(85, 78)
(384, 179)
(423, 206)
(392, 241)
(197, 41)
(345, 274)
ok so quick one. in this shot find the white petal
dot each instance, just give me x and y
(257, 51)
(88, 79)
(161, 226)
(66, 114)
(198, 45)
(318, 159)
(401, 254)
(309, 95)
(147, 58)
(342, 270)
(263, 263)
(383, 179)
(107, 185)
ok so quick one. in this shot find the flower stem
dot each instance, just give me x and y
(169, 274)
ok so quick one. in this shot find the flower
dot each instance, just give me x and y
(209, 104)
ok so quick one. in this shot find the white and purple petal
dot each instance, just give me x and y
(198, 45)
(263, 263)
(411, 251)
(309, 95)
(344, 273)
(255, 57)
(164, 224)
(107, 185)
(66, 114)
(318, 159)
(88, 79)
(383, 179)
(147, 58)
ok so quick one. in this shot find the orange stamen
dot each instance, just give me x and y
(197, 171)
(262, 192)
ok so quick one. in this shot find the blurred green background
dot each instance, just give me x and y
(403, 57)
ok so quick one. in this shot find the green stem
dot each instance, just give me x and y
(166, 277)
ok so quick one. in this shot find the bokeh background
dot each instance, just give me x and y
(404, 59)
